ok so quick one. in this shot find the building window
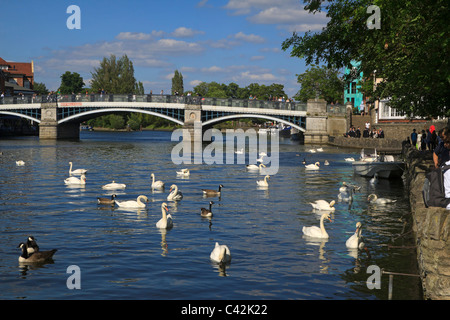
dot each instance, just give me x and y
(353, 87)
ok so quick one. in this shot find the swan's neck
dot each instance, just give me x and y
(175, 190)
(140, 199)
(153, 178)
(164, 214)
(322, 227)
(265, 179)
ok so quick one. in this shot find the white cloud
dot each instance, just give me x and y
(195, 83)
(133, 36)
(183, 32)
(257, 58)
(254, 77)
(249, 37)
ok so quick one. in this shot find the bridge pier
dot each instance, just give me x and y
(193, 123)
(316, 126)
(49, 128)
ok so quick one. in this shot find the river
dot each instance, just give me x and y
(122, 255)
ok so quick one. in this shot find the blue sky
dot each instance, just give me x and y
(206, 40)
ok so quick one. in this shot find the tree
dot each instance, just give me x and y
(177, 83)
(115, 76)
(71, 83)
(40, 88)
(409, 52)
(320, 82)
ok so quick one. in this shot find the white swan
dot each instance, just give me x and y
(220, 254)
(374, 179)
(349, 159)
(373, 198)
(184, 173)
(317, 232)
(74, 180)
(326, 163)
(263, 183)
(314, 166)
(319, 150)
(133, 203)
(175, 194)
(260, 159)
(166, 221)
(20, 163)
(355, 241)
(323, 205)
(77, 171)
(114, 186)
(156, 184)
(346, 195)
(312, 151)
(239, 151)
(254, 167)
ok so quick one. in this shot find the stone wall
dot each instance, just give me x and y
(431, 227)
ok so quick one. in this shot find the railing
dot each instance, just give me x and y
(193, 100)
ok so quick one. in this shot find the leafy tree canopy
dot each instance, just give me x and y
(409, 51)
(232, 90)
(71, 83)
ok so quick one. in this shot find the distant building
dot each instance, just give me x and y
(16, 78)
(352, 93)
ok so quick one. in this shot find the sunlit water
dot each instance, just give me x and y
(122, 255)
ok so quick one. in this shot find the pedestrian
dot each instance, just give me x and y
(441, 153)
(358, 133)
(428, 139)
(423, 141)
(414, 138)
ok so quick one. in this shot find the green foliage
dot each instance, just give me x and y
(71, 83)
(40, 88)
(177, 83)
(410, 51)
(261, 92)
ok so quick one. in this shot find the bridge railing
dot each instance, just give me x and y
(226, 102)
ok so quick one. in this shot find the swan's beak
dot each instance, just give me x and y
(330, 219)
(167, 209)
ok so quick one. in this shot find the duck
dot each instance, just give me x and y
(166, 221)
(20, 163)
(314, 166)
(349, 159)
(220, 254)
(36, 257)
(133, 203)
(239, 151)
(32, 245)
(75, 180)
(157, 184)
(184, 173)
(373, 198)
(355, 241)
(323, 205)
(263, 183)
(316, 232)
(254, 167)
(114, 186)
(77, 171)
(110, 201)
(207, 212)
(175, 194)
(210, 192)
(374, 179)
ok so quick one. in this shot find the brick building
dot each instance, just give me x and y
(16, 78)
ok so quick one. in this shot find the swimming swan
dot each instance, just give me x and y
(255, 167)
(263, 183)
(220, 254)
(373, 198)
(20, 163)
(184, 173)
(349, 159)
(113, 186)
(323, 205)
(175, 194)
(77, 171)
(239, 151)
(133, 203)
(316, 232)
(166, 221)
(355, 241)
(156, 184)
(76, 181)
(314, 166)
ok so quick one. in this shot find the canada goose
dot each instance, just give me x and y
(207, 212)
(304, 161)
(156, 184)
(175, 194)
(32, 245)
(166, 220)
(323, 205)
(133, 203)
(317, 232)
(76, 181)
(77, 171)
(220, 254)
(20, 163)
(36, 257)
(210, 192)
(114, 186)
(110, 201)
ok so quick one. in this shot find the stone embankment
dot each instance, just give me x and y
(431, 227)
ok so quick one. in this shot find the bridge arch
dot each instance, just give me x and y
(249, 115)
(20, 115)
(90, 114)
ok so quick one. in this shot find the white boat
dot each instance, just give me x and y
(386, 166)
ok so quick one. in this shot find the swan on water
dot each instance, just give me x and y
(316, 232)
(374, 179)
(326, 163)
(373, 198)
(349, 159)
(254, 167)
(77, 171)
(323, 205)
(184, 173)
(314, 166)
(239, 151)
(174, 194)
(260, 159)
(319, 150)
(74, 180)
(114, 185)
(156, 184)
(355, 241)
(133, 203)
(312, 151)
(166, 221)
(20, 163)
(263, 183)
(220, 254)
